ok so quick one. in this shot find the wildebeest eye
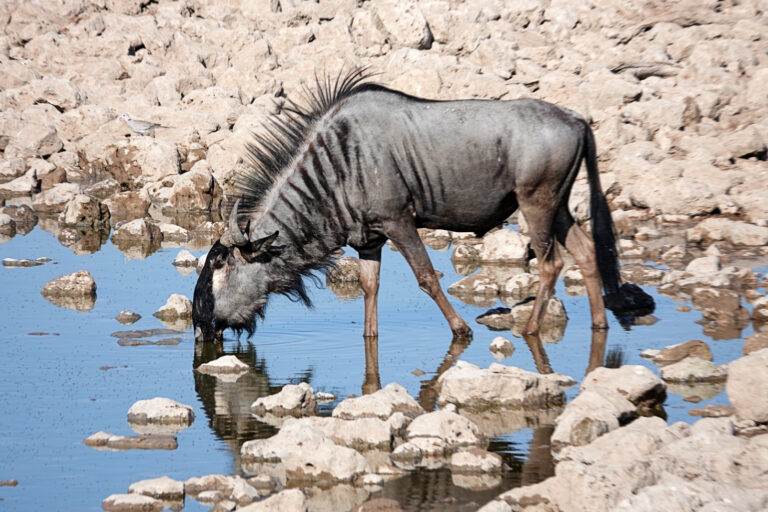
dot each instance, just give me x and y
(218, 262)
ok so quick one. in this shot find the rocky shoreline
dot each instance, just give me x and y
(676, 96)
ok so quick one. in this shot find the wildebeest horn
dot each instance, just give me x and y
(233, 235)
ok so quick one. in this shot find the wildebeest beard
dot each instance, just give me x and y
(288, 281)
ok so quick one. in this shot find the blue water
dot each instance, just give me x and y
(54, 394)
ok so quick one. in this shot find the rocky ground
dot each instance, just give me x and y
(676, 93)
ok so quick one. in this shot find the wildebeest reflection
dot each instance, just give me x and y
(362, 164)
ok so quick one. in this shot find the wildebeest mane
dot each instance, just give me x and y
(272, 150)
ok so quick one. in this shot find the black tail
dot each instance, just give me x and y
(622, 299)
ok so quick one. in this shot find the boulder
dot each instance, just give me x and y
(177, 306)
(184, 259)
(471, 387)
(636, 383)
(301, 453)
(126, 317)
(162, 488)
(755, 342)
(522, 286)
(105, 440)
(382, 404)
(504, 246)
(359, 434)
(344, 270)
(162, 411)
(56, 199)
(80, 283)
(84, 211)
(738, 233)
(693, 369)
(137, 162)
(450, 429)
(125, 206)
(475, 460)
(292, 400)
(675, 353)
(747, 386)
(33, 140)
(224, 365)
(501, 347)
(131, 503)
(290, 499)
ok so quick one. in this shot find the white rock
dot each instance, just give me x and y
(292, 400)
(382, 404)
(693, 369)
(453, 430)
(177, 306)
(504, 245)
(591, 414)
(292, 500)
(131, 503)
(185, 259)
(747, 386)
(225, 364)
(501, 347)
(637, 383)
(475, 460)
(163, 488)
(470, 386)
(78, 284)
(161, 411)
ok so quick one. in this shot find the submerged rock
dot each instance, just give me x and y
(105, 440)
(292, 400)
(469, 386)
(675, 353)
(185, 259)
(290, 499)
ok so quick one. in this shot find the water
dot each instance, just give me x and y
(63, 377)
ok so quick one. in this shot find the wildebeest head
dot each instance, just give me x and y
(232, 289)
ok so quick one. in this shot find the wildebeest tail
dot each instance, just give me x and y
(620, 298)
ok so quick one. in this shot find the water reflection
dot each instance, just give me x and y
(227, 404)
(83, 241)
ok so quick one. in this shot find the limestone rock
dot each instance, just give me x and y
(675, 353)
(636, 383)
(78, 284)
(292, 400)
(162, 488)
(475, 460)
(747, 386)
(469, 386)
(131, 503)
(382, 404)
(184, 259)
(344, 270)
(224, 365)
(290, 499)
(504, 246)
(501, 347)
(693, 369)
(142, 160)
(56, 199)
(160, 411)
(177, 306)
(84, 211)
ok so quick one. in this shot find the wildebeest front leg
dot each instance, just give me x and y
(406, 238)
(370, 263)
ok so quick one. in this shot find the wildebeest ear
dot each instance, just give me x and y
(263, 244)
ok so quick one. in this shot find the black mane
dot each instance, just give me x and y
(272, 151)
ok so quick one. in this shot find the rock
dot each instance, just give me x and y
(139, 231)
(177, 306)
(755, 342)
(450, 429)
(675, 353)
(128, 317)
(221, 483)
(693, 369)
(704, 265)
(7, 225)
(521, 286)
(290, 499)
(501, 347)
(760, 310)
(477, 284)
(469, 386)
(176, 234)
(162, 488)
(737, 233)
(143, 160)
(25, 185)
(636, 383)
(224, 365)
(13, 262)
(404, 24)
(292, 400)
(195, 191)
(301, 453)
(591, 414)
(359, 434)
(125, 206)
(504, 246)
(131, 503)
(84, 211)
(104, 440)
(344, 270)
(747, 386)
(475, 460)
(382, 404)
(465, 253)
(185, 259)
(552, 326)
(56, 199)
(33, 140)
(161, 411)
(79, 284)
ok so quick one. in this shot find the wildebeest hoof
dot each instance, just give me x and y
(462, 332)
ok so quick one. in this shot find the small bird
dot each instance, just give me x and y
(139, 126)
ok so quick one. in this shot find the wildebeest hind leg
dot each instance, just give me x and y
(550, 264)
(406, 238)
(582, 249)
(370, 263)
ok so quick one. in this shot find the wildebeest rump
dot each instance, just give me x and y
(362, 164)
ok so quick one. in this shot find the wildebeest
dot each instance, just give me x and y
(362, 164)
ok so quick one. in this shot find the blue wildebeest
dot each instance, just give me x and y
(362, 164)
